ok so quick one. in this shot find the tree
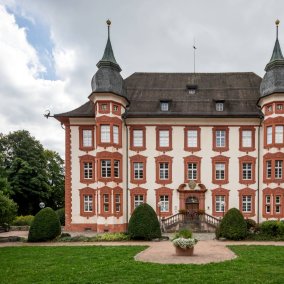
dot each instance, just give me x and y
(28, 170)
(8, 210)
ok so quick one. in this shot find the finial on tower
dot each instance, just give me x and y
(277, 22)
(108, 26)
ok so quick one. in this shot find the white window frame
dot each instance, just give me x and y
(192, 171)
(269, 135)
(106, 202)
(117, 202)
(246, 138)
(116, 168)
(164, 203)
(221, 138)
(219, 106)
(105, 133)
(88, 170)
(164, 138)
(247, 171)
(115, 130)
(87, 138)
(138, 170)
(279, 130)
(278, 169)
(138, 138)
(88, 203)
(267, 204)
(138, 200)
(192, 138)
(164, 106)
(268, 169)
(164, 171)
(106, 168)
(220, 203)
(246, 203)
(220, 169)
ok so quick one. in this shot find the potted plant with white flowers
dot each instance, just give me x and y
(184, 243)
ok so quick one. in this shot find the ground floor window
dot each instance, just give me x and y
(246, 203)
(164, 203)
(88, 203)
(106, 202)
(138, 200)
(220, 203)
(267, 204)
(117, 203)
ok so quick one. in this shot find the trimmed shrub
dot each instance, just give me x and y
(272, 228)
(61, 215)
(233, 226)
(251, 225)
(23, 220)
(144, 224)
(8, 210)
(45, 227)
(184, 233)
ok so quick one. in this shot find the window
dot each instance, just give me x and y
(192, 138)
(115, 134)
(219, 106)
(88, 170)
(269, 135)
(220, 171)
(164, 106)
(277, 204)
(88, 203)
(247, 138)
(247, 171)
(220, 138)
(192, 171)
(138, 138)
(269, 108)
(278, 134)
(164, 138)
(104, 107)
(138, 200)
(268, 169)
(87, 138)
(106, 168)
(138, 170)
(164, 203)
(106, 202)
(220, 203)
(164, 171)
(246, 203)
(279, 107)
(105, 133)
(116, 168)
(278, 169)
(267, 202)
(117, 203)
(115, 108)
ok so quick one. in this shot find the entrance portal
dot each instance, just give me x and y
(192, 204)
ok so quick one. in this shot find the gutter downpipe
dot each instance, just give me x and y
(127, 189)
(258, 170)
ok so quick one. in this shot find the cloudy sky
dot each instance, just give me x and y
(49, 49)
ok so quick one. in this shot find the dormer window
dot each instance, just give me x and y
(191, 89)
(104, 107)
(219, 106)
(164, 106)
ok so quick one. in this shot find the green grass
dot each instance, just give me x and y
(98, 264)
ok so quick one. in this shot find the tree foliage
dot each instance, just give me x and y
(8, 210)
(144, 223)
(33, 174)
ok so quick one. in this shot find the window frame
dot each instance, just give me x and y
(220, 160)
(243, 147)
(186, 142)
(215, 147)
(81, 137)
(132, 144)
(158, 161)
(158, 146)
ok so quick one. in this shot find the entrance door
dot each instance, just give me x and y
(192, 205)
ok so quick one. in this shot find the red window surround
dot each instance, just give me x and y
(186, 147)
(273, 193)
(101, 104)
(223, 192)
(214, 146)
(224, 160)
(192, 159)
(116, 108)
(247, 192)
(109, 156)
(273, 122)
(241, 147)
(137, 127)
(268, 109)
(243, 160)
(105, 120)
(163, 159)
(87, 159)
(102, 191)
(138, 159)
(117, 190)
(158, 147)
(137, 191)
(81, 146)
(279, 107)
(164, 191)
(272, 157)
(83, 192)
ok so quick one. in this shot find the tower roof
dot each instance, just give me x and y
(108, 58)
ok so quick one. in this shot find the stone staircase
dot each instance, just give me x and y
(192, 221)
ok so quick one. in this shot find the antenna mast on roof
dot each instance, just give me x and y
(194, 48)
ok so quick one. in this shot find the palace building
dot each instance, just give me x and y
(181, 142)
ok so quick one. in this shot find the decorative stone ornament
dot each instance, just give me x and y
(192, 184)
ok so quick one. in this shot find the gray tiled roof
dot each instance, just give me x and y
(239, 91)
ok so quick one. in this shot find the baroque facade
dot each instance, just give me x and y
(179, 141)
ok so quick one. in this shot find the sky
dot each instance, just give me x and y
(49, 49)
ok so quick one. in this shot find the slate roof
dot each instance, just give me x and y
(239, 91)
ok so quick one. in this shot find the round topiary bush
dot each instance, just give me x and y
(45, 226)
(61, 215)
(144, 224)
(233, 226)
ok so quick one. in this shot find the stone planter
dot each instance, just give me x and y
(184, 252)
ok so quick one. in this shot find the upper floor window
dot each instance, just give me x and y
(220, 171)
(115, 108)
(115, 134)
(279, 106)
(87, 138)
(138, 138)
(268, 169)
(106, 168)
(88, 170)
(106, 202)
(88, 203)
(219, 106)
(192, 138)
(192, 171)
(164, 138)
(247, 138)
(220, 138)
(105, 133)
(247, 171)
(164, 106)
(269, 135)
(191, 89)
(103, 107)
(278, 169)
(117, 202)
(164, 170)
(138, 170)
(269, 108)
(116, 168)
(279, 134)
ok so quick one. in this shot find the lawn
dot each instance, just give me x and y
(97, 264)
